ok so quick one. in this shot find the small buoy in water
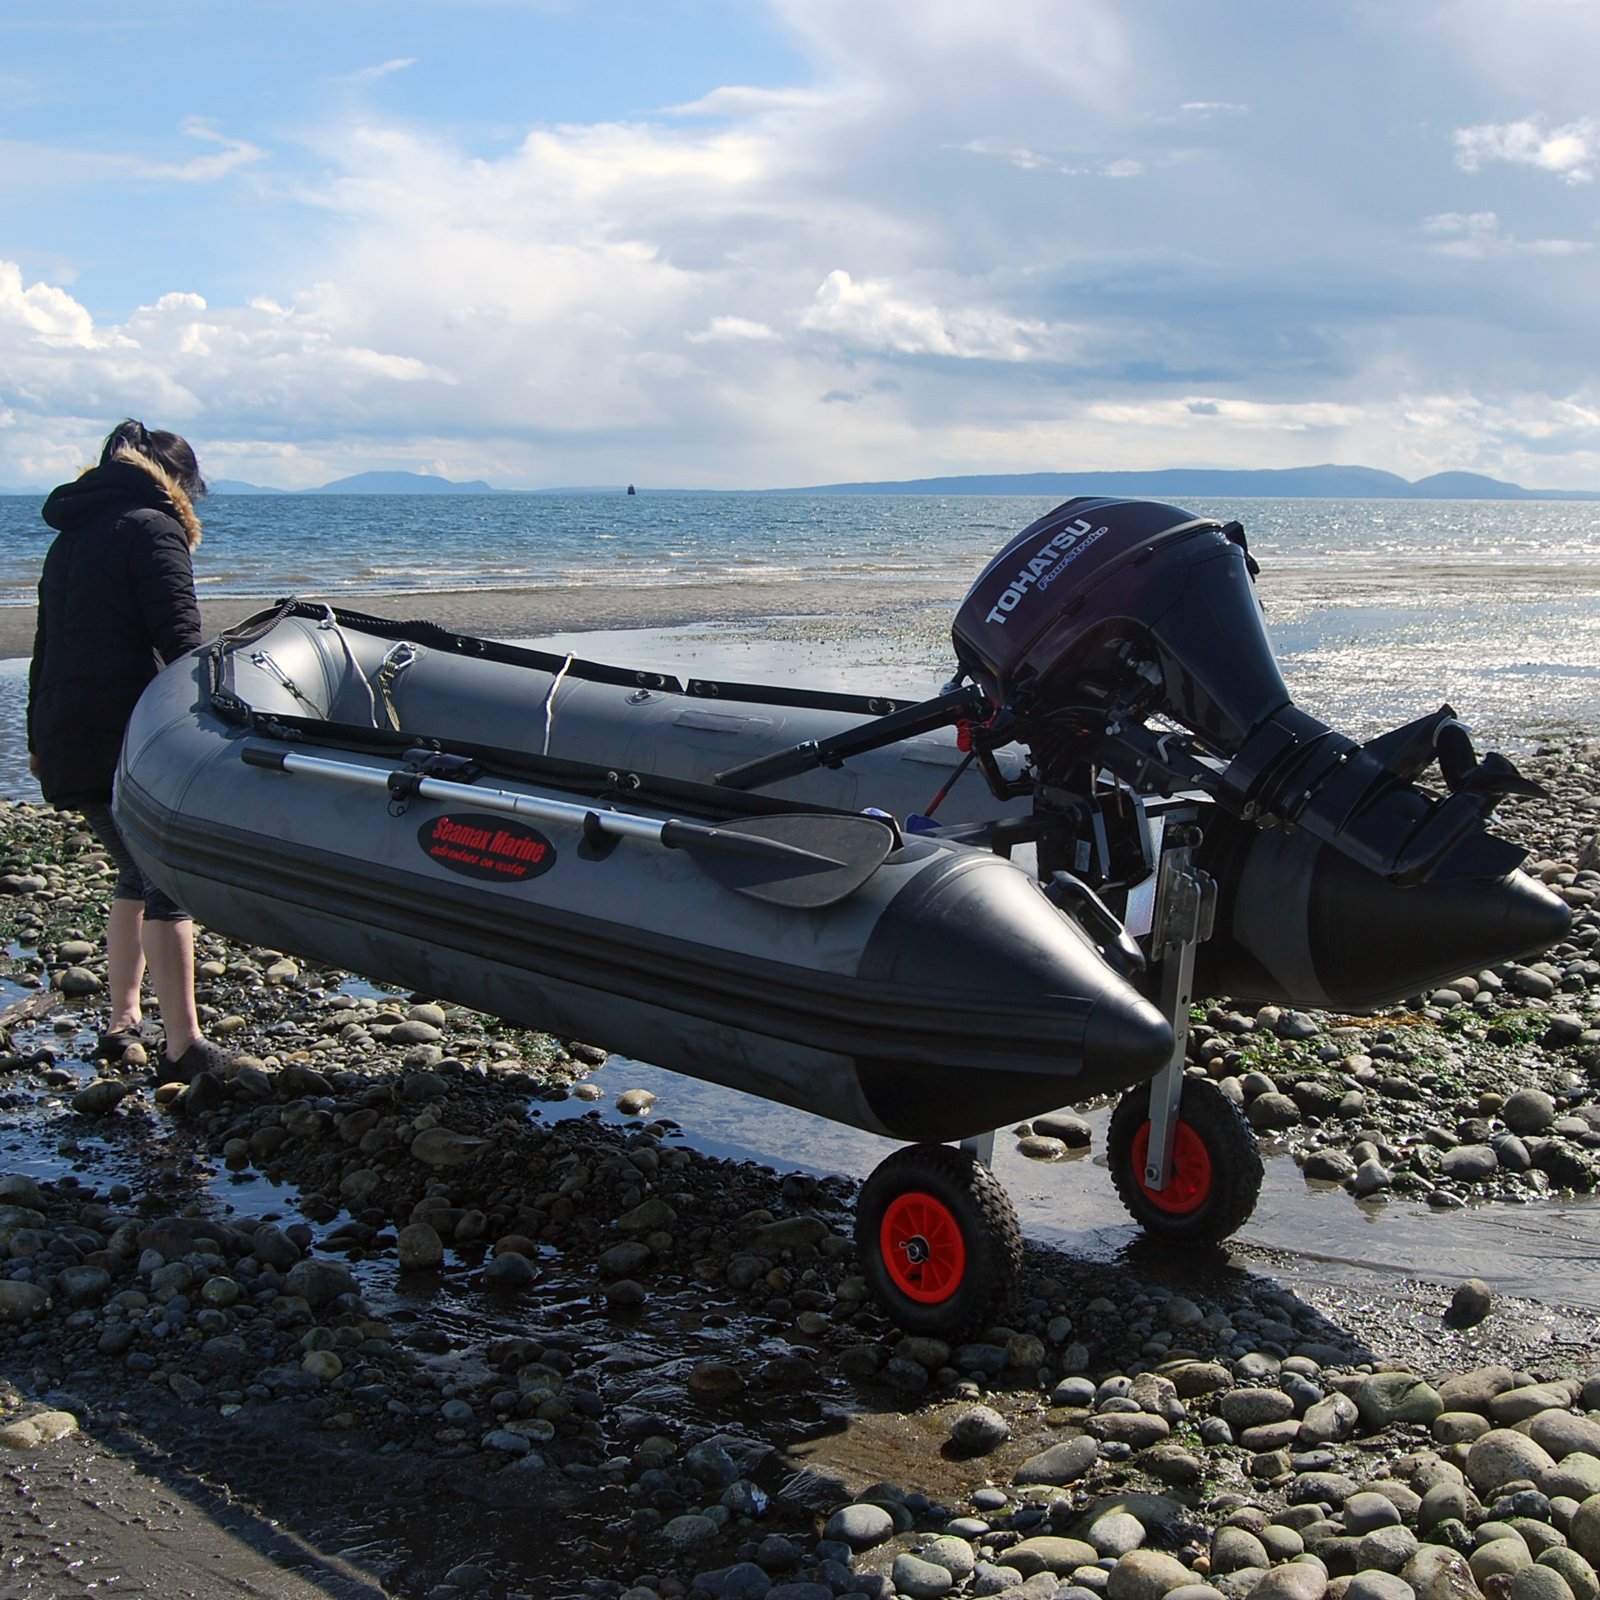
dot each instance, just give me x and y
(630, 489)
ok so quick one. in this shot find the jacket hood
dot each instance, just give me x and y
(128, 481)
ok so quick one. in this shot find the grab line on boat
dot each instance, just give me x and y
(550, 702)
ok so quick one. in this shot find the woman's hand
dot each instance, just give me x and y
(33, 764)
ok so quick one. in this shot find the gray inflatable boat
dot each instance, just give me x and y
(908, 986)
(923, 919)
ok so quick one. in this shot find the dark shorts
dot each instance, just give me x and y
(131, 882)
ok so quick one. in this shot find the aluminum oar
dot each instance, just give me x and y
(805, 859)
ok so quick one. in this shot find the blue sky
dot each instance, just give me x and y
(782, 242)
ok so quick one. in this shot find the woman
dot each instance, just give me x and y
(116, 603)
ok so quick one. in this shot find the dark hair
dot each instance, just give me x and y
(168, 450)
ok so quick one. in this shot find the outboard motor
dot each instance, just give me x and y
(1122, 639)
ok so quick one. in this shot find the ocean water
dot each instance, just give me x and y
(1379, 610)
(266, 545)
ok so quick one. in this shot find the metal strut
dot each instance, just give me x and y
(1185, 909)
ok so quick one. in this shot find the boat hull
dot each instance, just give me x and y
(943, 998)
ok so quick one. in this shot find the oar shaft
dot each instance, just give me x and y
(799, 861)
(614, 822)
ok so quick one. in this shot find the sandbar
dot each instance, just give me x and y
(530, 613)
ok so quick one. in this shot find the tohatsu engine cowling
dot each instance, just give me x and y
(1106, 616)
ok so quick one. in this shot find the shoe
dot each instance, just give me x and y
(202, 1056)
(113, 1045)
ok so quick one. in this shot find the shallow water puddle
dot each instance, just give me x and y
(1542, 1250)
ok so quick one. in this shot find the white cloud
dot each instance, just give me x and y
(231, 155)
(724, 330)
(184, 361)
(41, 314)
(383, 69)
(738, 100)
(1068, 166)
(1478, 236)
(873, 316)
(1569, 151)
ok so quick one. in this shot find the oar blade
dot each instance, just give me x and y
(821, 860)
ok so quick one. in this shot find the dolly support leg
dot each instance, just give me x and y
(1185, 909)
(981, 1145)
(1166, 1088)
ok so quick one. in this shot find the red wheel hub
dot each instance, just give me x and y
(922, 1248)
(1188, 1183)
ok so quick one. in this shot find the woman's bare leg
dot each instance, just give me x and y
(124, 963)
(169, 948)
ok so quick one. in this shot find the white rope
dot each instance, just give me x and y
(550, 701)
(329, 621)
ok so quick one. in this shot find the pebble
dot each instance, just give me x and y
(1470, 1304)
(1387, 1398)
(36, 1430)
(1050, 1553)
(978, 1430)
(1147, 1575)
(1583, 1534)
(860, 1526)
(20, 1301)
(444, 1147)
(1066, 1126)
(1503, 1456)
(1293, 1581)
(1370, 1584)
(419, 1248)
(509, 1272)
(1061, 1464)
(1495, 1556)
(1436, 1572)
(1036, 1148)
(1578, 1572)
(1115, 1533)
(100, 1097)
(1368, 1510)
(919, 1579)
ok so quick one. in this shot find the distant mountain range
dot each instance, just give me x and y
(1321, 483)
(1177, 483)
(366, 483)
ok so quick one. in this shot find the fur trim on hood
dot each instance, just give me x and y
(173, 489)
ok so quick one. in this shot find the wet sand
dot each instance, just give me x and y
(532, 613)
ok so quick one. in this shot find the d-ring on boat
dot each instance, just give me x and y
(922, 919)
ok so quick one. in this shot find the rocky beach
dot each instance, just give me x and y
(410, 1303)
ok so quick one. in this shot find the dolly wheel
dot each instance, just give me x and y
(938, 1240)
(1216, 1166)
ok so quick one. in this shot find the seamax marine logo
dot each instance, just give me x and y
(1048, 563)
(486, 847)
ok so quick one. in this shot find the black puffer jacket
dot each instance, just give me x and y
(116, 603)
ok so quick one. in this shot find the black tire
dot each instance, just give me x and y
(1217, 1165)
(938, 1240)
